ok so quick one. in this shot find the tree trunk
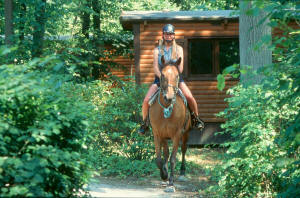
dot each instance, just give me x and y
(22, 25)
(86, 20)
(8, 13)
(96, 17)
(96, 36)
(39, 28)
(251, 31)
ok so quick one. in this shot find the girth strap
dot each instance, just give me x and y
(187, 116)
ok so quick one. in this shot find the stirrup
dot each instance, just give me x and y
(197, 122)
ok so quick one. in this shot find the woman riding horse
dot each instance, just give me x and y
(171, 52)
(170, 120)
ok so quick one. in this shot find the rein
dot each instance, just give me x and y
(169, 109)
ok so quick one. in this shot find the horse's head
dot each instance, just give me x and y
(169, 79)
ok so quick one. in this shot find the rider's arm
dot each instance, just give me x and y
(180, 54)
(155, 63)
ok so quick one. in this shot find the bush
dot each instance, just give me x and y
(117, 107)
(43, 131)
(253, 167)
(263, 160)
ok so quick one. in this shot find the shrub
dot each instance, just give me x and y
(263, 160)
(255, 118)
(117, 107)
(42, 130)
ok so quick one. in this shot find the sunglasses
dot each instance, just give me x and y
(168, 34)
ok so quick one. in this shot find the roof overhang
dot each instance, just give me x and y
(128, 18)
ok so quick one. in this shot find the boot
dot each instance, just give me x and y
(144, 127)
(197, 122)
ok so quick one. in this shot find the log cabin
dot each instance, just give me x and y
(210, 41)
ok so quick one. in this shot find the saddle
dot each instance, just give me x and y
(187, 112)
(156, 94)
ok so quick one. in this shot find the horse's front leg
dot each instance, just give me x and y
(173, 159)
(159, 162)
(166, 156)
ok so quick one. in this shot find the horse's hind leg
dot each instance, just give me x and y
(183, 151)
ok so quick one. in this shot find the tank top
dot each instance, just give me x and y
(167, 56)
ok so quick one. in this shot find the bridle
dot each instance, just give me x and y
(169, 109)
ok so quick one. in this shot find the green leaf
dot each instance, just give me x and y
(5, 50)
(229, 69)
(221, 82)
(243, 71)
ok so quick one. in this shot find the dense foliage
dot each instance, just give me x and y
(119, 148)
(207, 4)
(58, 120)
(43, 131)
(263, 157)
(55, 131)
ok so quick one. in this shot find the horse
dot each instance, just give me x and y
(170, 119)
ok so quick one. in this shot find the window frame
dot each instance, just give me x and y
(215, 60)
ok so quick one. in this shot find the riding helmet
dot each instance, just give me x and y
(168, 28)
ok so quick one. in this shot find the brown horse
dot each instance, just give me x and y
(170, 119)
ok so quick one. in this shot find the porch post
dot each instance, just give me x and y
(136, 32)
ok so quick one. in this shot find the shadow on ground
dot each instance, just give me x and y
(199, 164)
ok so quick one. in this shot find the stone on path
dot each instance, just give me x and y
(182, 178)
(170, 189)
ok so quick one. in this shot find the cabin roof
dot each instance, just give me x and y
(128, 18)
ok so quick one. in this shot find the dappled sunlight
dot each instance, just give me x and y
(204, 156)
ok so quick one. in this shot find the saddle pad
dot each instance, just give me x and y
(153, 97)
(156, 94)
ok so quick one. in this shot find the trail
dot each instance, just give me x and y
(200, 161)
(109, 187)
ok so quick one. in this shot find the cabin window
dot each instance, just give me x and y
(208, 57)
(200, 59)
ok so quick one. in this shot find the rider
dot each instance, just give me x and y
(171, 51)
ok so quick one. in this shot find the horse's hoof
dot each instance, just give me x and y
(170, 189)
(164, 183)
(182, 178)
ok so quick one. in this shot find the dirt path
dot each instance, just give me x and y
(151, 186)
(109, 188)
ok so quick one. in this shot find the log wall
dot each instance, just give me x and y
(128, 67)
(210, 100)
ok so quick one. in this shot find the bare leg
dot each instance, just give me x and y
(197, 122)
(189, 96)
(145, 106)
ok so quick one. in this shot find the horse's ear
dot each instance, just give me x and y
(178, 61)
(163, 60)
